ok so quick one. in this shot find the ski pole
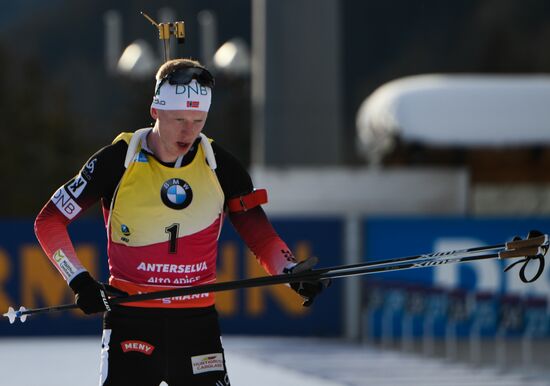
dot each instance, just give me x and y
(533, 248)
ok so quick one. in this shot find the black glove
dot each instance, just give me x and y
(92, 296)
(310, 288)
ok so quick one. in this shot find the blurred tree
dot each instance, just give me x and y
(38, 150)
(59, 105)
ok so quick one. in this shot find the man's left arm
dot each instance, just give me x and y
(257, 232)
(253, 226)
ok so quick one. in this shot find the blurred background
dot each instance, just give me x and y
(380, 129)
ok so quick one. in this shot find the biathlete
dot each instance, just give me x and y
(164, 193)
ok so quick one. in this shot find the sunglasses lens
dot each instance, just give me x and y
(185, 76)
(180, 77)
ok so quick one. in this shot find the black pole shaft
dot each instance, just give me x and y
(316, 274)
(419, 261)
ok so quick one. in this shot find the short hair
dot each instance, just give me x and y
(174, 64)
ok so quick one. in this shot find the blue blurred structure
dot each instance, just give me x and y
(393, 311)
(474, 310)
(459, 302)
(28, 278)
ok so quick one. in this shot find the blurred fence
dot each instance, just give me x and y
(421, 318)
(474, 312)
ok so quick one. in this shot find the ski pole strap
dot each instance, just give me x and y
(526, 262)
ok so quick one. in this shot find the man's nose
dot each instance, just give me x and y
(186, 125)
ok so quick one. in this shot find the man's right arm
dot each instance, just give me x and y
(96, 180)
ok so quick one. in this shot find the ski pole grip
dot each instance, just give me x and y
(522, 252)
(534, 242)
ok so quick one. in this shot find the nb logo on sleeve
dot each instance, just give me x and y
(65, 203)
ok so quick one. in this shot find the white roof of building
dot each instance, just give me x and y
(458, 110)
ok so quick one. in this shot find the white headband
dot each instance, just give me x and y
(190, 96)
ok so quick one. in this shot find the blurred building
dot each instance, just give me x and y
(291, 78)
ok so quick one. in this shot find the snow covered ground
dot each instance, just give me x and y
(254, 361)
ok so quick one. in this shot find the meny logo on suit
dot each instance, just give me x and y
(137, 346)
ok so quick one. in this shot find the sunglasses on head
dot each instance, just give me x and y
(184, 76)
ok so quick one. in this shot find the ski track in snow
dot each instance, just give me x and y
(253, 361)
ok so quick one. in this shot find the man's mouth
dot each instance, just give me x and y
(183, 145)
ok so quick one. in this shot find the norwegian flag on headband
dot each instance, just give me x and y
(193, 104)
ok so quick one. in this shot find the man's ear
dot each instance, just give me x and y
(154, 113)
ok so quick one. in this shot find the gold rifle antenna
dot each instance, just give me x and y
(166, 31)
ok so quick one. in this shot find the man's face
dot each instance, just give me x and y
(178, 129)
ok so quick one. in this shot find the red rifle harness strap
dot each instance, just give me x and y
(248, 201)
